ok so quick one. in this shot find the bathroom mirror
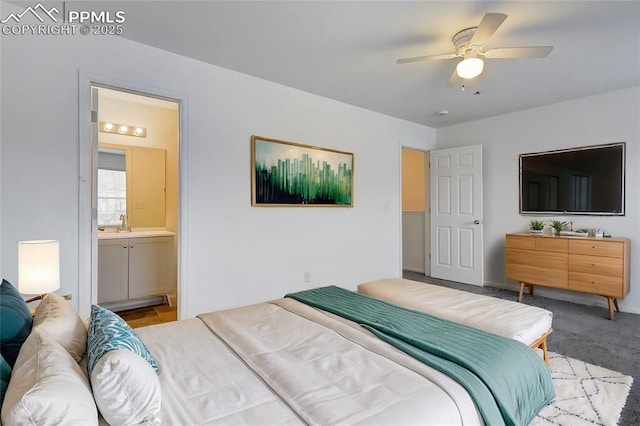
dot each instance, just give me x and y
(112, 186)
(131, 181)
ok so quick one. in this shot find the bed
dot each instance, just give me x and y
(285, 361)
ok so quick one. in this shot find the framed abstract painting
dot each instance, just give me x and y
(296, 175)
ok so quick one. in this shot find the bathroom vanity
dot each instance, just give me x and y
(135, 265)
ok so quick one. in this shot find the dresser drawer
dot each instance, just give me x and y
(515, 242)
(610, 266)
(597, 284)
(556, 245)
(538, 259)
(535, 275)
(597, 248)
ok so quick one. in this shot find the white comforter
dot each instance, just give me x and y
(286, 363)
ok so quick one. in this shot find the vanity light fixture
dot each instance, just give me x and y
(123, 129)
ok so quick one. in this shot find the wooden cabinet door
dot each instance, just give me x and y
(151, 266)
(113, 270)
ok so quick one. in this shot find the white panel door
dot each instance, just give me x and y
(456, 214)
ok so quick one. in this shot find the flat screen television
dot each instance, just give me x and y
(578, 181)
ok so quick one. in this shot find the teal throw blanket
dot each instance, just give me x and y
(507, 380)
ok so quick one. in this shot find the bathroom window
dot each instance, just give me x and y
(112, 196)
(112, 186)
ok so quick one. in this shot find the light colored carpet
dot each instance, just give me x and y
(585, 394)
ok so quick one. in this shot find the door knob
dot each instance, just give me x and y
(476, 222)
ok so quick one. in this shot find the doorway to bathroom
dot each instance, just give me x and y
(137, 205)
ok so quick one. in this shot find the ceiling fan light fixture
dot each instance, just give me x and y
(470, 67)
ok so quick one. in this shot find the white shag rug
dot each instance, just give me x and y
(585, 394)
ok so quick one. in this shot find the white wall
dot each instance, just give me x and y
(605, 118)
(413, 242)
(236, 254)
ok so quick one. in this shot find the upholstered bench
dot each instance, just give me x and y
(527, 324)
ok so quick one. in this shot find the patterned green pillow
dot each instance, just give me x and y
(108, 332)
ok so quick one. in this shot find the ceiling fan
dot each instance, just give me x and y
(469, 44)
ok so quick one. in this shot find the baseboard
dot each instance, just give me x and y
(142, 302)
(416, 270)
(567, 296)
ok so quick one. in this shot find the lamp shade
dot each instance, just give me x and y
(470, 67)
(38, 266)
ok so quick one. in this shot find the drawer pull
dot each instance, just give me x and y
(124, 246)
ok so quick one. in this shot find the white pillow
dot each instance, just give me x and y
(56, 319)
(126, 389)
(47, 387)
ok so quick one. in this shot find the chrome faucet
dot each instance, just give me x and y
(123, 223)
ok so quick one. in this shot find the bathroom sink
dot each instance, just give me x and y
(114, 230)
(109, 233)
(111, 230)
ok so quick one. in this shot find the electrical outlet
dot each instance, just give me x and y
(307, 277)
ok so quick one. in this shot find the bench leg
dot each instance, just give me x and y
(541, 343)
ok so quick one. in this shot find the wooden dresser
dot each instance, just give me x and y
(590, 265)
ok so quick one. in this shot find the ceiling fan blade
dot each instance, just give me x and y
(489, 24)
(518, 52)
(427, 58)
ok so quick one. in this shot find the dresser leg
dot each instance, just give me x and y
(521, 290)
(522, 286)
(611, 303)
(615, 302)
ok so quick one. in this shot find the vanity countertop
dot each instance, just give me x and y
(136, 233)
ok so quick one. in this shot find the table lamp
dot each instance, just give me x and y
(38, 267)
